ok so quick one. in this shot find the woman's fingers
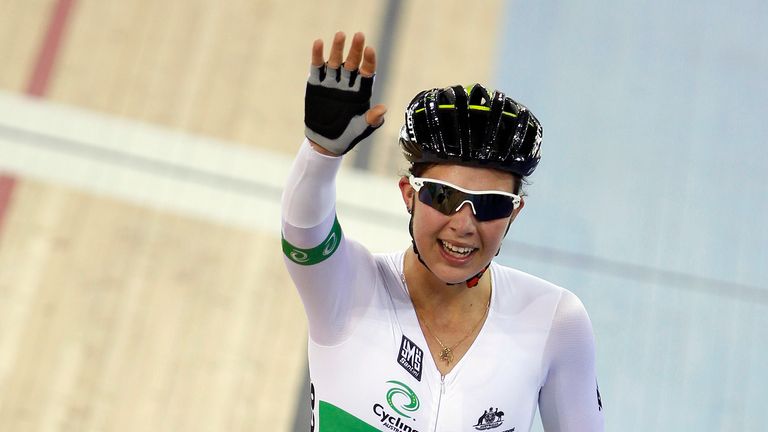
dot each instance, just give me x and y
(317, 53)
(337, 50)
(369, 62)
(358, 53)
(355, 52)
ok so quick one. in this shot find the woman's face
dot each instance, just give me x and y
(458, 246)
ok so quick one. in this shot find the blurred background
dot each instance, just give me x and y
(143, 148)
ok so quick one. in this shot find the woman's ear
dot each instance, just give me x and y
(518, 209)
(406, 190)
(513, 216)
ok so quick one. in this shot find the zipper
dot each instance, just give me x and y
(440, 399)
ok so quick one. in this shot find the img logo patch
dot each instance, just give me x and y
(410, 357)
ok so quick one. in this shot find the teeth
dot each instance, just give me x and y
(456, 250)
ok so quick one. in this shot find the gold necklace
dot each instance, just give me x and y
(446, 354)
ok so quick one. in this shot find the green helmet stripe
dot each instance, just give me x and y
(479, 108)
(472, 107)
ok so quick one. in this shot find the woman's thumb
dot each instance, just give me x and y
(375, 115)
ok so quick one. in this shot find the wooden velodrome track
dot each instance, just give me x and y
(142, 148)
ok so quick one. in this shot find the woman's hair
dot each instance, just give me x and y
(419, 168)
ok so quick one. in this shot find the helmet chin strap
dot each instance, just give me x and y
(471, 282)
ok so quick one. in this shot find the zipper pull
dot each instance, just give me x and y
(442, 384)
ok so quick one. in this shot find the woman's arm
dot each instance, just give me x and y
(570, 401)
(332, 275)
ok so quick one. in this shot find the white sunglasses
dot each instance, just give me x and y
(448, 198)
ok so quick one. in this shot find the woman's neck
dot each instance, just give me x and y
(438, 300)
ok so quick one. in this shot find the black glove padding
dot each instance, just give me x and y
(334, 108)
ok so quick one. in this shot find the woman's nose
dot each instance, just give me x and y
(463, 221)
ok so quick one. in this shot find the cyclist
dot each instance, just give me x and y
(427, 339)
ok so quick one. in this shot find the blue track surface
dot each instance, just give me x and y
(651, 201)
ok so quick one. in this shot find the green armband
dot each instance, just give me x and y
(318, 253)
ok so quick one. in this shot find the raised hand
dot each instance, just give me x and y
(337, 103)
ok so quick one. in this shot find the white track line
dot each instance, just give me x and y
(170, 170)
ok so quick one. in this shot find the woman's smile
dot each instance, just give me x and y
(456, 249)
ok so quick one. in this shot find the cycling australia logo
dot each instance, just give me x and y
(410, 357)
(403, 390)
(491, 418)
(403, 401)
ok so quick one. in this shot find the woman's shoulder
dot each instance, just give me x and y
(389, 267)
(508, 277)
(389, 261)
(517, 290)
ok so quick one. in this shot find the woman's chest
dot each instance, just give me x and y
(385, 376)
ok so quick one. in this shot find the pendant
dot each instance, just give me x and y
(446, 355)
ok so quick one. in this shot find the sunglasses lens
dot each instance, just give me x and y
(446, 200)
(492, 206)
(439, 197)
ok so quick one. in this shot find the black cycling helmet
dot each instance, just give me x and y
(467, 126)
